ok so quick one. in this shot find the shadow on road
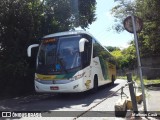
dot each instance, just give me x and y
(154, 87)
(48, 102)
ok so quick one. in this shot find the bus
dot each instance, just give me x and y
(72, 61)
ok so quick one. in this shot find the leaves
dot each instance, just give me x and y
(125, 58)
(148, 11)
(110, 48)
(24, 22)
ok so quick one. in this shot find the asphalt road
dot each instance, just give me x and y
(68, 105)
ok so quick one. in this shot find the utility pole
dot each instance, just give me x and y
(133, 25)
(139, 63)
(74, 13)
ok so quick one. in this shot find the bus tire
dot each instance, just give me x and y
(113, 79)
(95, 84)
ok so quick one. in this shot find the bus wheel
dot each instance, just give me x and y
(113, 79)
(95, 85)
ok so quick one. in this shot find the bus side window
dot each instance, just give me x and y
(96, 49)
(87, 52)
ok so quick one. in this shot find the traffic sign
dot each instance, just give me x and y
(129, 26)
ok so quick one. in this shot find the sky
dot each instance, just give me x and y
(100, 28)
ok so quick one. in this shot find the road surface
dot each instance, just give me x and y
(75, 106)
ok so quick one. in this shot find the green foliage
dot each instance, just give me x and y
(86, 12)
(117, 53)
(17, 27)
(148, 11)
(123, 9)
(122, 77)
(121, 61)
(23, 22)
(126, 58)
(149, 37)
(110, 48)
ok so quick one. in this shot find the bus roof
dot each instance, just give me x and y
(67, 33)
(74, 32)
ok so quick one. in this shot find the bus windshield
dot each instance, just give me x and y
(58, 55)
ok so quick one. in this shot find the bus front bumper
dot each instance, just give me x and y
(71, 87)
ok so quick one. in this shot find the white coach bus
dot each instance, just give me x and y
(72, 61)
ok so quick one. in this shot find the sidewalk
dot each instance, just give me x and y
(152, 103)
(153, 99)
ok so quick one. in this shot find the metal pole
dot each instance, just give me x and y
(75, 12)
(132, 94)
(139, 63)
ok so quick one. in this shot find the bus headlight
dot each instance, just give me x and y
(77, 77)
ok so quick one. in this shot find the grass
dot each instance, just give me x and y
(125, 77)
(146, 82)
(122, 77)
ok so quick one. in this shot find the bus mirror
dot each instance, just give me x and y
(81, 44)
(29, 49)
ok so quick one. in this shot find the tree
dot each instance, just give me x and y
(62, 14)
(23, 22)
(148, 11)
(19, 21)
(110, 48)
(123, 9)
(86, 12)
(125, 58)
(149, 37)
